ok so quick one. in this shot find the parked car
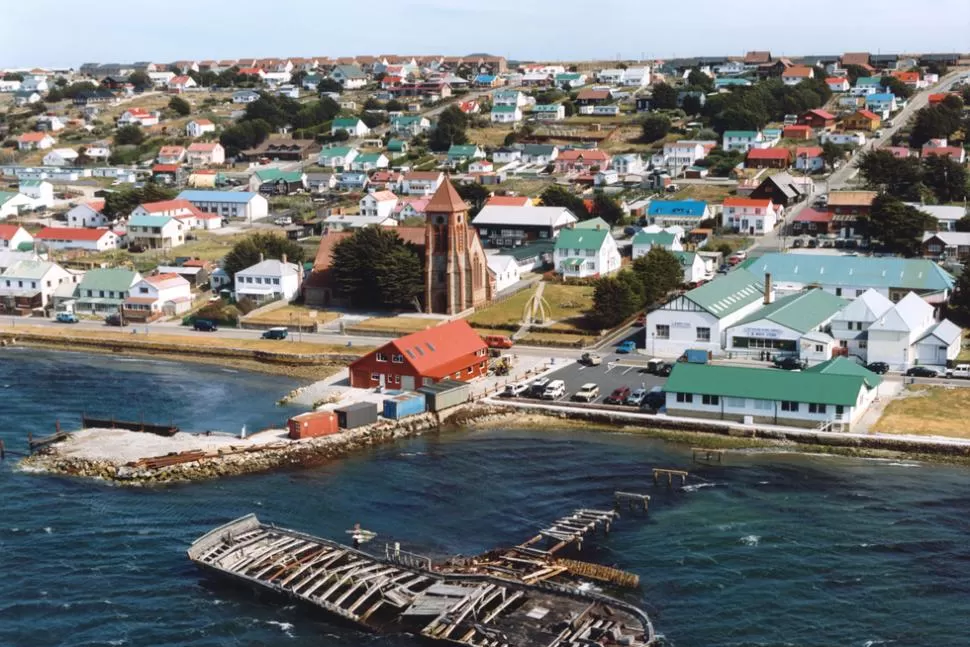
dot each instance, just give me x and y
(630, 231)
(275, 333)
(619, 395)
(653, 364)
(587, 393)
(555, 390)
(537, 388)
(655, 399)
(789, 363)
(665, 369)
(115, 320)
(922, 371)
(205, 325)
(813, 243)
(797, 242)
(629, 346)
(636, 398)
(879, 368)
(724, 269)
(960, 370)
(591, 359)
(497, 341)
(740, 254)
(66, 317)
(515, 390)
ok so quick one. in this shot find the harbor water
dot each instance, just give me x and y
(765, 550)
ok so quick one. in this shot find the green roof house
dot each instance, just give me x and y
(337, 157)
(102, 291)
(398, 146)
(369, 162)
(779, 326)
(698, 318)
(832, 397)
(353, 126)
(458, 154)
(581, 253)
(644, 241)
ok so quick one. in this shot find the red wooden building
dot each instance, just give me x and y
(452, 350)
(768, 158)
(817, 119)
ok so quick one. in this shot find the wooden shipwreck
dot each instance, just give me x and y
(403, 593)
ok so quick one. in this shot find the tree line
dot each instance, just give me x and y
(648, 281)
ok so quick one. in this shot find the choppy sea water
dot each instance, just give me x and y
(765, 550)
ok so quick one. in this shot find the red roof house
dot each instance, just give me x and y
(797, 132)
(768, 158)
(956, 153)
(811, 221)
(509, 201)
(451, 350)
(817, 119)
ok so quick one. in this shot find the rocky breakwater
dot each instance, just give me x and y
(202, 462)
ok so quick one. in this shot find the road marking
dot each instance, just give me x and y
(628, 370)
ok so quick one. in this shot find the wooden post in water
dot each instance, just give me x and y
(706, 454)
(670, 474)
(3, 452)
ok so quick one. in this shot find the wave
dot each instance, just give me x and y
(750, 540)
(285, 627)
(693, 487)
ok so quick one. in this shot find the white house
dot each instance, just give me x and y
(699, 318)
(836, 392)
(481, 166)
(181, 83)
(509, 98)
(750, 216)
(13, 236)
(98, 151)
(156, 232)
(894, 337)
(939, 345)
(549, 112)
(243, 205)
(351, 125)
(506, 270)
(351, 77)
(161, 79)
(500, 224)
(668, 239)
(882, 103)
(50, 123)
(158, 295)
(34, 83)
(40, 192)
(850, 326)
(679, 155)
(60, 157)
(35, 141)
(138, 116)
(630, 164)
(379, 204)
(269, 280)
(205, 154)
(946, 215)
(60, 238)
(581, 253)
(245, 96)
(695, 269)
(199, 127)
(505, 155)
(31, 282)
(421, 182)
(171, 154)
(743, 140)
(370, 162)
(337, 156)
(506, 114)
(11, 203)
(87, 215)
(843, 138)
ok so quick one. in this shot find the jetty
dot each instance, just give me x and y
(88, 422)
(403, 595)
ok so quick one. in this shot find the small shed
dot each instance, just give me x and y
(356, 415)
(445, 394)
(312, 424)
(404, 405)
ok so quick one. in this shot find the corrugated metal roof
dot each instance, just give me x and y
(579, 238)
(843, 366)
(765, 384)
(727, 294)
(800, 312)
(856, 271)
(217, 196)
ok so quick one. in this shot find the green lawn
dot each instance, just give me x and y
(568, 305)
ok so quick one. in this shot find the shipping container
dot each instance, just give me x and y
(445, 394)
(404, 405)
(357, 415)
(695, 356)
(314, 423)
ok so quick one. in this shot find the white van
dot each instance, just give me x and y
(960, 370)
(555, 390)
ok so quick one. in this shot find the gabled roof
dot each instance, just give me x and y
(908, 315)
(851, 198)
(168, 205)
(818, 112)
(868, 306)
(800, 312)
(661, 239)
(383, 196)
(217, 196)
(7, 232)
(581, 238)
(764, 203)
(149, 221)
(728, 293)
(28, 269)
(843, 366)
(765, 384)
(204, 147)
(691, 208)
(592, 223)
(527, 216)
(446, 200)
(112, 279)
(70, 233)
(431, 352)
(946, 331)
(587, 155)
(270, 267)
(808, 151)
(769, 154)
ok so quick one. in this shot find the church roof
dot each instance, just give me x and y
(446, 200)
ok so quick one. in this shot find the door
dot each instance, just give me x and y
(407, 383)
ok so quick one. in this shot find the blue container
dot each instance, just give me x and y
(695, 356)
(404, 405)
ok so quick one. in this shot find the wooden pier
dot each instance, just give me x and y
(464, 607)
(660, 473)
(632, 500)
(87, 422)
(703, 455)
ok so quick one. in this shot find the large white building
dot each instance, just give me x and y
(909, 334)
(31, 284)
(269, 280)
(582, 252)
(228, 204)
(700, 317)
(379, 204)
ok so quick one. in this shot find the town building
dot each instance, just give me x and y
(69, 238)
(743, 140)
(29, 285)
(947, 245)
(833, 394)
(156, 232)
(582, 252)
(156, 296)
(667, 239)
(103, 291)
(700, 317)
(851, 276)
(205, 154)
(809, 159)
(199, 127)
(451, 350)
(337, 157)
(422, 182)
(35, 141)
(16, 238)
(908, 334)
(768, 158)
(353, 126)
(378, 204)
(511, 226)
(40, 192)
(752, 216)
(506, 271)
(228, 204)
(686, 213)
(60, 157)
(269, 280)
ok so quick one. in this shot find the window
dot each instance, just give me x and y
(471, 369)
(710, 400)
(863, 344)
(143, 290)
(589, 265)
(482, 366)
(458, 375)
(703, 334)
(819, 348)
(763, 405)
(381, 357)
(577, 252)
(859, 293)
(736, 403)
(816, 408)
(838, 292)
(276, 281)
(839, 409)
(101, 293)
(375, 377)
(397, 359)
(427, 381)
(590, 252)
(789, 406)
(662, 332)
(685, 397)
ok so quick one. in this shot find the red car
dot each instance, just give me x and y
(618, 396)
(497, 341)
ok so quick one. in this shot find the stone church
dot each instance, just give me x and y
(456, 274)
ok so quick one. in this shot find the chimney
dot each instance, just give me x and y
(284, 259)
(769, 293)
(261, 259)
